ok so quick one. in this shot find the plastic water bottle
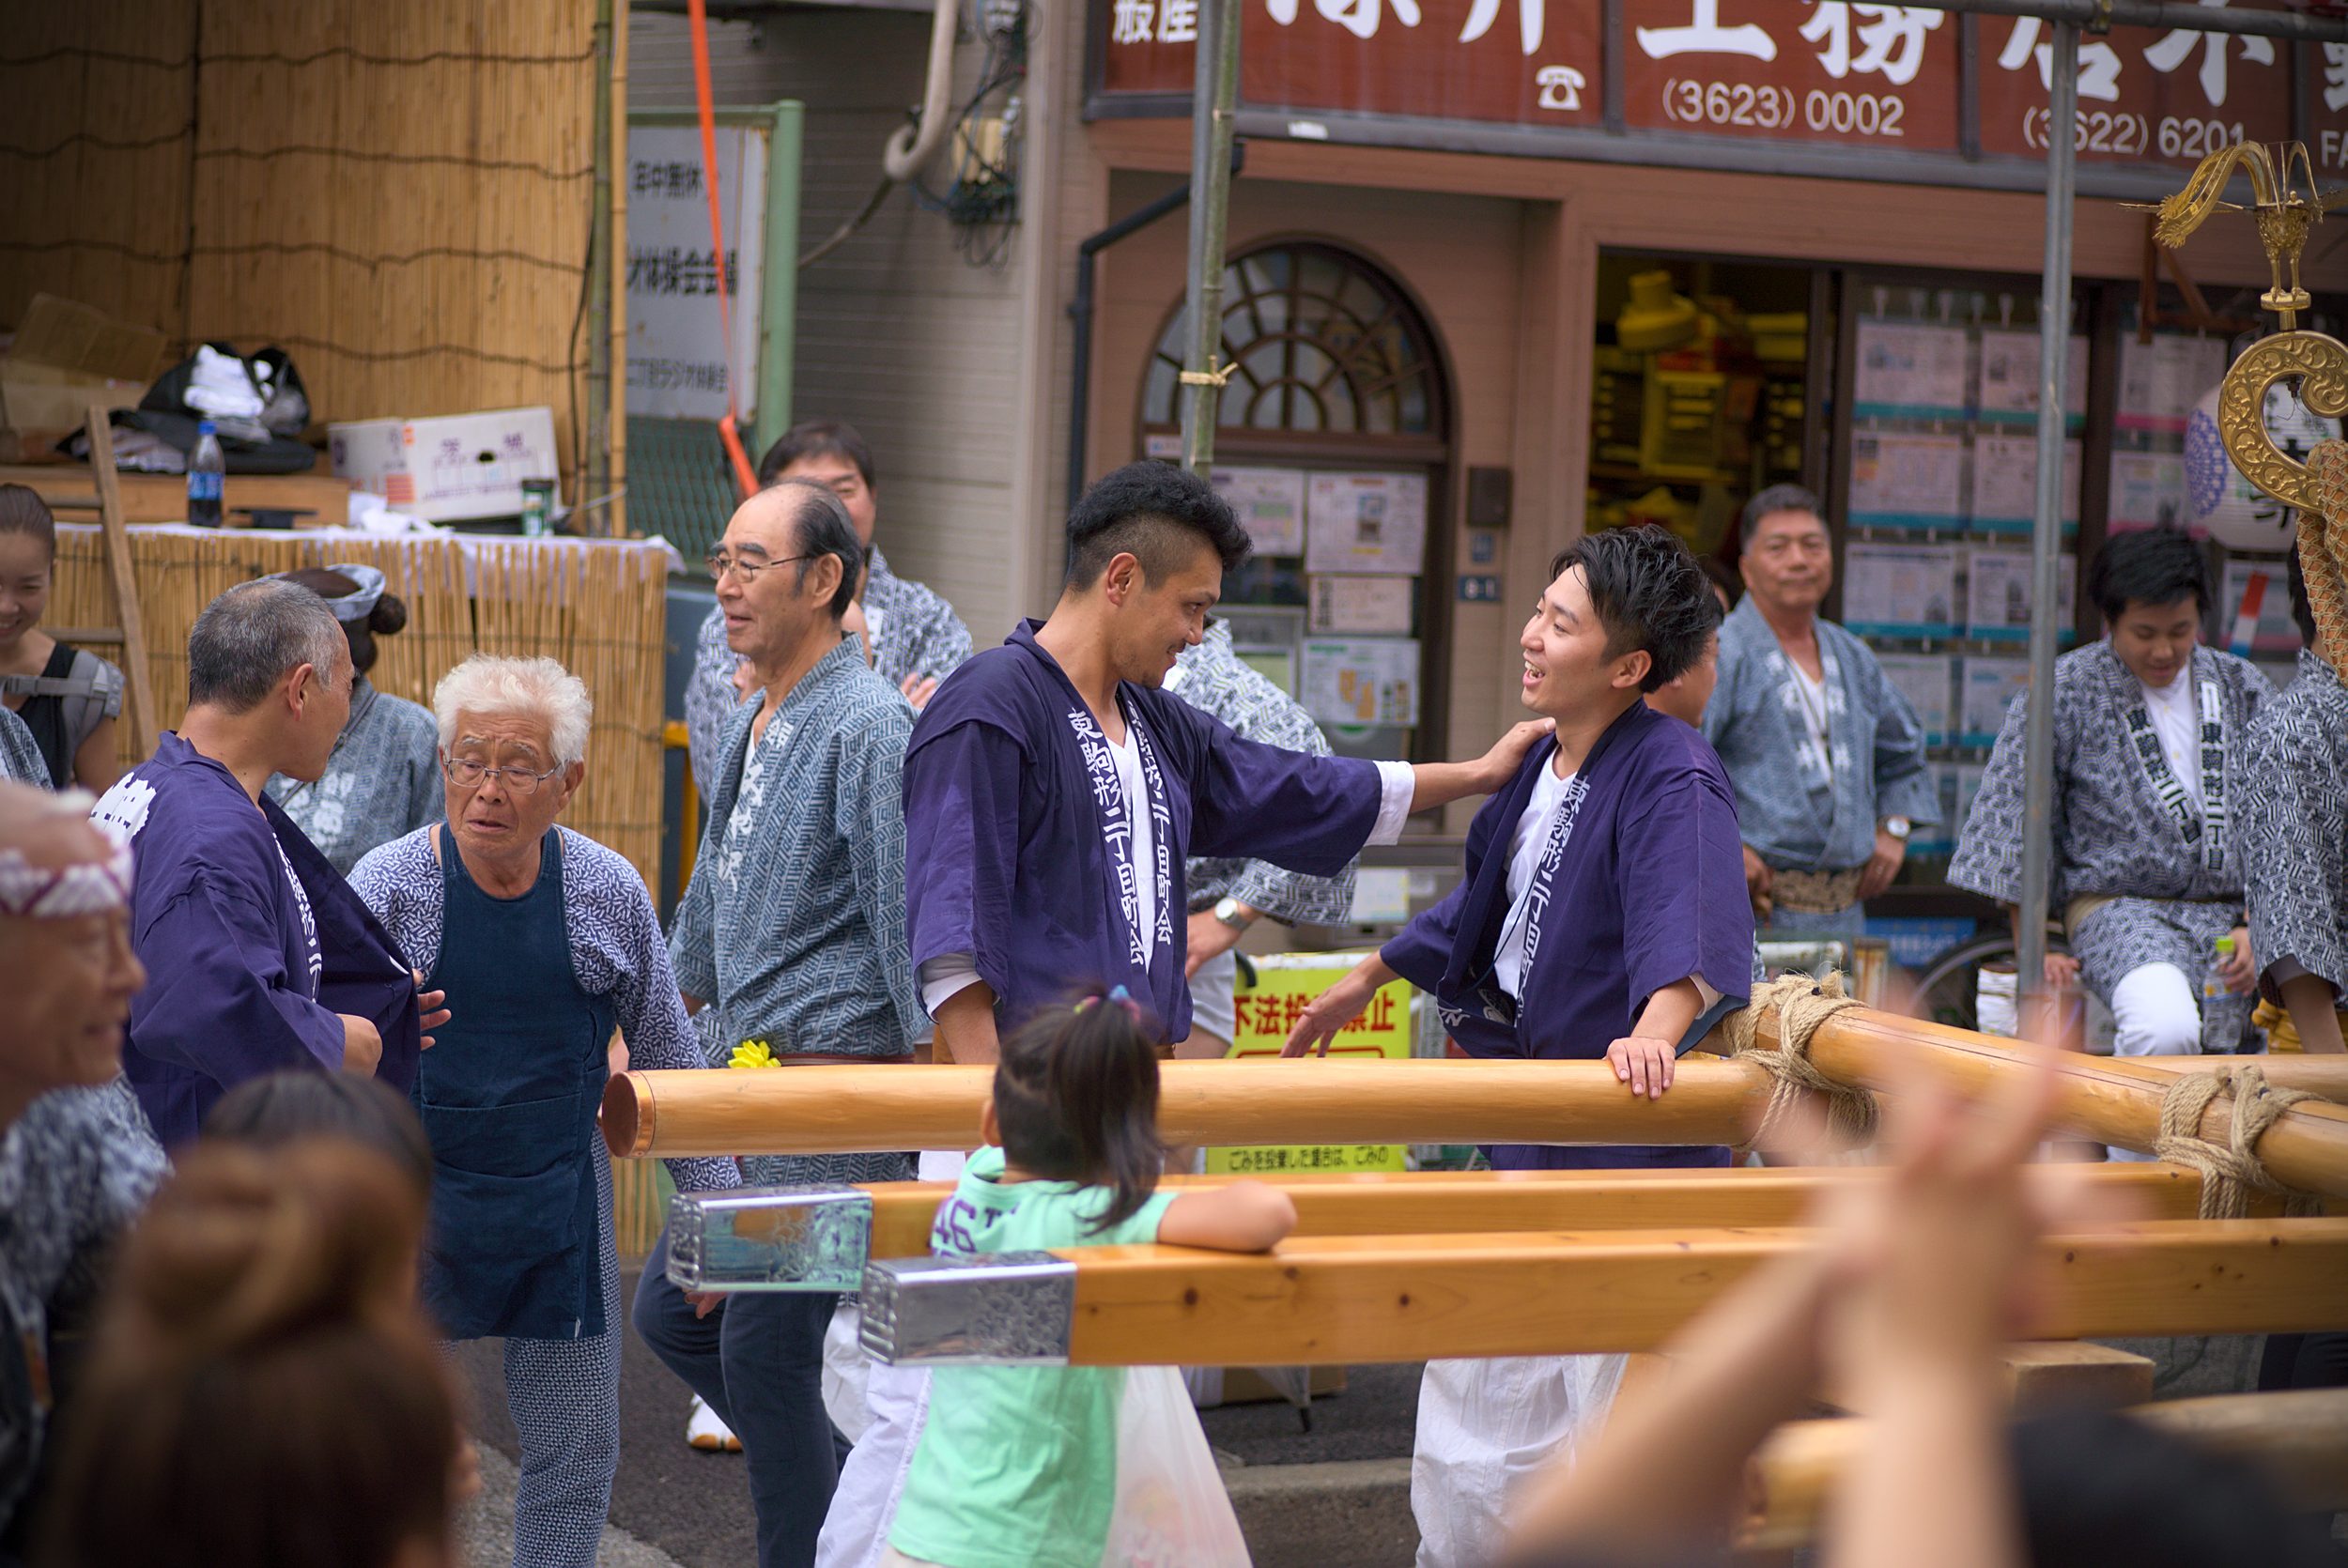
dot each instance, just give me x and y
(208, 473)
(2214, 983)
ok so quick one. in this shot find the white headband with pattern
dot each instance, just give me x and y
(64, 892)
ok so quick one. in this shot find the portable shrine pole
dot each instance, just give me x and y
(1395, 1299)
(2301, 1439)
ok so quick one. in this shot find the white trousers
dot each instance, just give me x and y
(1485, 1429)
(2155, 1011)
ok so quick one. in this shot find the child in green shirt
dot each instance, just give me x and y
(1016, 1467)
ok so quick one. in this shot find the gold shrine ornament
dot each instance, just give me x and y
(2287, 206)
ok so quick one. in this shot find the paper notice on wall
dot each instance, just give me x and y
(1270, 503)
(1361, 680)
(1346, 604)
(1926, 679)
(2160, 381)
(2006, 389)
(1998, 596)
(1367, 522)
(1908, 371)
(2006, 482)
(1900, 590)
(1903, 480)
(1985, 687)
(2147, 490)
(678, 360)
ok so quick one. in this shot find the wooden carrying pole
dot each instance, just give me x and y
(2301, 1439)
(1442, 1203)
(1336, 1299)
(843, 1109)
(2111, 1099)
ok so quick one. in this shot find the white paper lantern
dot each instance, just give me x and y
(2220, 502)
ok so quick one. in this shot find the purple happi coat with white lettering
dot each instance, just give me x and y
(1647, 889)
(1014, 824)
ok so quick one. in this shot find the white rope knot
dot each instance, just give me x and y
(1801, 1004)
(2231, 1171)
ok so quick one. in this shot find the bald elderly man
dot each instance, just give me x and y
(76, 1159)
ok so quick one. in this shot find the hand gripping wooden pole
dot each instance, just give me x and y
(819, 1238)
(2301, 1439)
(852, 1109)
(2109, 1098)
(1395, 1299)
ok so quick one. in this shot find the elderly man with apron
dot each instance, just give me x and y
(551, 940)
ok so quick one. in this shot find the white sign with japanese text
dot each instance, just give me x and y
(677, 361)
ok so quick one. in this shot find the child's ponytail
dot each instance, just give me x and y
(1076, 1099)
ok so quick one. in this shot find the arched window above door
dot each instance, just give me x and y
(1318, 340)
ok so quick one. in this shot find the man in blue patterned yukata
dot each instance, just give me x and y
(1229, 895)
(2150, 768)
(1055, 791)
(916, 636)
(1826, 757)
(792, 933)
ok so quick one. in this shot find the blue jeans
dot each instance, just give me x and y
(758, 1360)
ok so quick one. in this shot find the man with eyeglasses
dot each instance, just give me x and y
(916, 637)
(791, 946)
(258, 954)
(1826, 757)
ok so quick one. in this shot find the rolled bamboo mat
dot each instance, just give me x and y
(598, 608)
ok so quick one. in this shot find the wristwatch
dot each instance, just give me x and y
(1229, 911)
(1898, 827)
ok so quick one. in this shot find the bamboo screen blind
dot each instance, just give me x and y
(598, 608)
(399, 194)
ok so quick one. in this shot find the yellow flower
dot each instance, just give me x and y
(753, 1053)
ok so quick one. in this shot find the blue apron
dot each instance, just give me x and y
(508, 1094)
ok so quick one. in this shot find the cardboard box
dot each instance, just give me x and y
(64, 358)
(449, 468)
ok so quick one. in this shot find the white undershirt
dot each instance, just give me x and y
(1812, 690)
(1144, 843)
(2177, 720)
(1524, 858)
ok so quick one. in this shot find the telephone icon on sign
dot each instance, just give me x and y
(1561, 87)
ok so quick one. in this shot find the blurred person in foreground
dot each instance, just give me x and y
(267, 1393)
(258, 954)
(1917, 1278)
(76, 1159)
(546, 940)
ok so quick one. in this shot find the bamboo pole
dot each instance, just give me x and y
(2317, 1075)
(842, 1110)
(1440, 1202)
(1339, 1300)
(2114, 1101)
(2300, 1438)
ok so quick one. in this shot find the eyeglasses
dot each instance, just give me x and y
(465, 774)
(747, 570)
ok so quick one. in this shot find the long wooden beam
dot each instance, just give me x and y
(2111, 1098)
(1395, 1299)
(845, 1110)
(2316, 1075)
(2300, 1438)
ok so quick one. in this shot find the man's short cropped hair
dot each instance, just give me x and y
(823, 527)
(253, 637)
(1156, 512)
(1649, 594)
(2153, 566)
(1776, 499)
(816, 437)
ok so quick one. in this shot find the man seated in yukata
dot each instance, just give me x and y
(1826, 757)
(258, 955)
(1055, 792)
(1603, 913)
(914, 636)
(792, 936)
(77, 1162)
(2295, 844)
(2151, 763)
(545, 941)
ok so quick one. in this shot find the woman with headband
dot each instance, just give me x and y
(383, 779)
